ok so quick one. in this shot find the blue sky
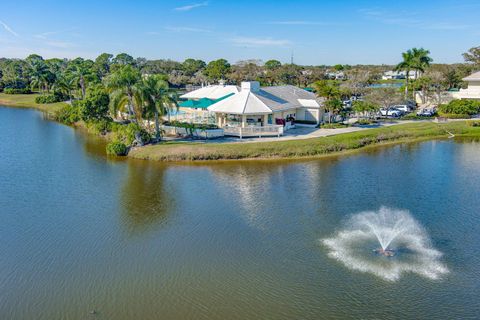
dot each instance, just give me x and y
(318, 32)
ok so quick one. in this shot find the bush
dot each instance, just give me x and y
(69, 114)
(50, 98)
(127, 133)
(473, 123)
(333, 125)
(17, 91)
(95, 105)
(365, 121)
(454, 115)
(463, 107)
(117, 148)
(100, 126)
(200, 126)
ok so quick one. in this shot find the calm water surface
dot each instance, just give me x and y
(137, 240)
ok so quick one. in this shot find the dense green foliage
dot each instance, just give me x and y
(17, 91)
(117, 148)
(56, 96)
(460, 107)
(191, 125)
(95, 106)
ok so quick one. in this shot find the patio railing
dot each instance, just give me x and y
(254, 131)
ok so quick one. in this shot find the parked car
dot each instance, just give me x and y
(426, 112)
(394, 113)
(402, 107)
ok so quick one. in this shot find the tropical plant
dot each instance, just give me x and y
(158, 99)
(124, 88)
(413, 60)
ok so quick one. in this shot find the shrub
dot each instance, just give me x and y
(100, 126)
(454, 115)
(50, 98)
(200, 126)
(117, 148)
(463, 107)
(17, 91)
(333, 125)
(365, 121)
(95, 105)
(127, 133)
(68, 114)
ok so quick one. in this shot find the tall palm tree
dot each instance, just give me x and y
(406, 65)
(38, 74)
(158, 98)
(421, 60)
(81, 71)
(414, 59)
(124, 86)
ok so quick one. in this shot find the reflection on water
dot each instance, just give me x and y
(234, 240)
(145, 197)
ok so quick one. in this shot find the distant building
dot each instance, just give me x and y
(398, 75)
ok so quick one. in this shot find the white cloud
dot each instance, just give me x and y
(259, 42)
(192, 6)
(408, 19)
(8, 29)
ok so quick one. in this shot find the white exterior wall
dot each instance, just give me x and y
(472, 92)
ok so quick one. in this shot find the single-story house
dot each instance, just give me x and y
(396, 75)
(473, 89)
(263, 106)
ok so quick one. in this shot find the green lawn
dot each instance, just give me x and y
(28, 101)
(181, 151)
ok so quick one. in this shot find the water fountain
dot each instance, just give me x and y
(398, 242)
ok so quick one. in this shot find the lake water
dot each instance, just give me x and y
(238, 240)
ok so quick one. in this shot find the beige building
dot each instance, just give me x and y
(473, 90)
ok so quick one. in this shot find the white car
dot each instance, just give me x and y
(402, 107)
(426, 112)
(390, 113)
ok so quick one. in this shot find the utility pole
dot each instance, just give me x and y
(291, 58)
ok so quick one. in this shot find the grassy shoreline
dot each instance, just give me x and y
(340, 144)
(304, 149)
(28, 101)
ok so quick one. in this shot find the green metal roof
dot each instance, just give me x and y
(203, 103)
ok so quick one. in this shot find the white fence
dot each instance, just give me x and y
(254, 131)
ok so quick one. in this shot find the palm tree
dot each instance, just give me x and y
(406, 65)
(421, 60)
(158, 98)
(124, 88)
(81, 71)
(65, 85)
(414, 59)
(38, 74)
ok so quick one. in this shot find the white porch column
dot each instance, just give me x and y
(244, 121)
(219, 119)
(265, 120)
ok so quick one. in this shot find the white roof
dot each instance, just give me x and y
(244, 102)
(309, 103)
(211, 92)
(473, 77)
